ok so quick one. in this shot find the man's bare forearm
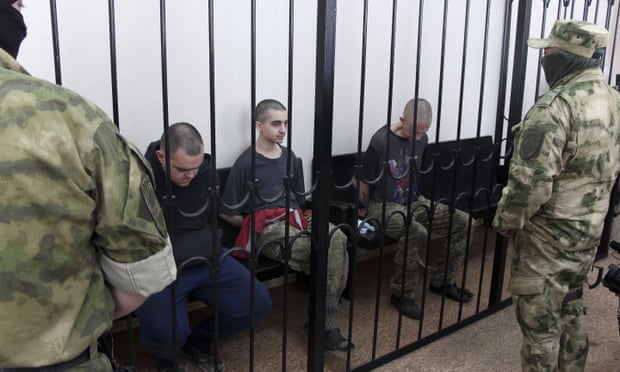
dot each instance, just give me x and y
(236, 221)
(125, 302)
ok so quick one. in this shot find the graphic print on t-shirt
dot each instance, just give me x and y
(398, 168)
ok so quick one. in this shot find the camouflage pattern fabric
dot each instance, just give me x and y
(73, 191)
(99, 363)
(337, 255)
(553, 327)
(573, 36)
(566, 159)
(417, 237)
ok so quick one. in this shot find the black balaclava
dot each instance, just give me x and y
(12, 28)
(562, 63)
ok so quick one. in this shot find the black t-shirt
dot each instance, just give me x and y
(399, 159)
(271, 186)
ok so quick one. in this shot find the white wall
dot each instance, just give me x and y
(85, 62)
(348, 70)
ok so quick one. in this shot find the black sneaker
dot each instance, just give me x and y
(407, 306)
(335, 341)
(167, 366)
(204, 361)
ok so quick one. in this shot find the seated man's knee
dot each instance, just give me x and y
(417, 234)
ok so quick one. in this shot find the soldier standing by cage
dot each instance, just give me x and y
(565, 161)
(83, 240)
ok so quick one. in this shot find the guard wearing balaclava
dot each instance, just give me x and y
(12, 27)
(562, 63)
(577, 42)
(74, 253)
(565, 161)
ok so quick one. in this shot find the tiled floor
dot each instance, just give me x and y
(488, 345)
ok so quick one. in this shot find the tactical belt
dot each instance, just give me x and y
(82, 358)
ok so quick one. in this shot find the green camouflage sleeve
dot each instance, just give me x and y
(130, 230)
(536, 160)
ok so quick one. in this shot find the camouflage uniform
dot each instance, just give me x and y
(337, 254)
(78, 214)
(563, 168)
(444, 224)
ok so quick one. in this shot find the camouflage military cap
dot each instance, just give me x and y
(576, 37)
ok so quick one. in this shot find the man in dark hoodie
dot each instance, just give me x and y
(188, 219)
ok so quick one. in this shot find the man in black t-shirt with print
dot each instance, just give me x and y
(398, 196)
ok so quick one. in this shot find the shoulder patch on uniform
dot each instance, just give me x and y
(548, 97)
(531, 143)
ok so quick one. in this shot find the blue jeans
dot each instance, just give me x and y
(196, 283)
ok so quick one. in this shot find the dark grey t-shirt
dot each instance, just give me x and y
(271, 187)
(398, 159)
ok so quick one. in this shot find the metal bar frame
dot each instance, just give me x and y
(323, 138)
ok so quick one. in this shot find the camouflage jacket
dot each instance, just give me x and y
(566, 158)
(77, 214)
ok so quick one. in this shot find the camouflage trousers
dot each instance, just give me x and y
(546, 285)
(337, 254)
(444, 224)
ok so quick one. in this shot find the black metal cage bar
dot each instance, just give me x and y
(506, 89)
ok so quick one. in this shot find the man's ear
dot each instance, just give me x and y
(161, 157)
(258, 125)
